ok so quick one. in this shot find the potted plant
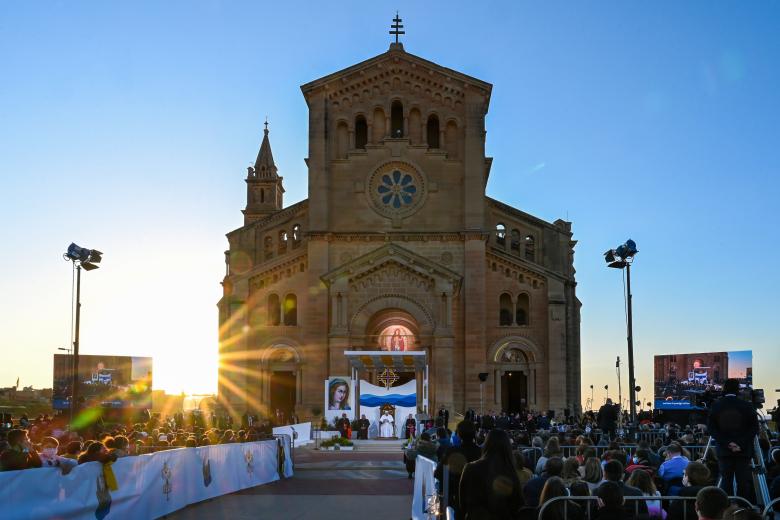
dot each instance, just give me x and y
(344, 444)
(328, 445)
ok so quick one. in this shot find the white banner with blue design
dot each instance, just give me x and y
(402, 397)
(149, 486)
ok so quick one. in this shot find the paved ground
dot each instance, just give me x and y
(326, 486)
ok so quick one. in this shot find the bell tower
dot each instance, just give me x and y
(264, 190)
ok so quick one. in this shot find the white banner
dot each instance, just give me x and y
(150, 486)
(303, 431)
(424, 486)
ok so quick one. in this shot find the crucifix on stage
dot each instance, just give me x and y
(388, 377)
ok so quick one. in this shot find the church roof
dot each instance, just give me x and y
(394, 54)
(264, 165)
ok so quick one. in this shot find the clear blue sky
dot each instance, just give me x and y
(128, 126)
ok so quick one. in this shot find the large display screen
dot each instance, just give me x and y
(689, 381)
(107, 381)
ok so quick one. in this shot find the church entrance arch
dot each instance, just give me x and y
(514, 362)
(280, 381)
(393, 330)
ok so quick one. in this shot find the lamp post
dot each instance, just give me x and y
(620, 258)
(88, 259)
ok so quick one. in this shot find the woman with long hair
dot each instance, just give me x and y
(594, 473)
(641, 480)
(338, 395)
(490, 487)
(558, 510)
(551, 449)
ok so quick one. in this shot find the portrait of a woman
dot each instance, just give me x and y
(338, 395)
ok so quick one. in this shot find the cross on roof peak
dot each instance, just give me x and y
(397, 26)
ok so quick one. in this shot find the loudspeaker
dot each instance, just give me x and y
(483, 376)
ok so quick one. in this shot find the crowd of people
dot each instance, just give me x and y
(47, 441)
(511, 465)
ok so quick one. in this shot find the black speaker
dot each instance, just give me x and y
(483, 376)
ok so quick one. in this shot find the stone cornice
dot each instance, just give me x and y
(523, 216)
(270, 268)
(399, 236)
(275, 218)
(374, 70)
(525, 266)
(396, 254)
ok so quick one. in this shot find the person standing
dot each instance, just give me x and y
(489, 487)
(409, 427)
(733, 424)
(20, 453)
(607, 418)
(343, 426)
(363, 425)
(445, 415)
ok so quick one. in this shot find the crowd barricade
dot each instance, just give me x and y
(629, 499)
(650, 435)
(299, 433)
(696, 452)
(532, 455)
(425, 500)
(148, 486)
(771, 509)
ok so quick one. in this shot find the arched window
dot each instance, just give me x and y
(530, 248)
(396, 119)
(296, 235)
(361, 133)
(432, 131)
(500, 234)
(290, 310)
(268, 247)
(274, 312)
(262, 195)
(342, 140)
(282, 242)
(505, 314)
(521, 311)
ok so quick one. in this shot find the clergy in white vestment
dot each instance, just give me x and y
(386, 425)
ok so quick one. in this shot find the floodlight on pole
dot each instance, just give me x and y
(621, 258)
(88, 259)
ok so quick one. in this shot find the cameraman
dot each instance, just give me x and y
(733, 425)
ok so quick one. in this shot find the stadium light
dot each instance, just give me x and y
(621, 258)
(88, 259)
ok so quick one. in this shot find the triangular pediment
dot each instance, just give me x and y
(397, 65)
(393, 256)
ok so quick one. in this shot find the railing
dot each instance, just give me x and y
(636, 500)
(770, 508)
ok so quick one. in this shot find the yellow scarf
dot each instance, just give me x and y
(110, 478)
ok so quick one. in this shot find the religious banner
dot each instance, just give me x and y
(399, 402)
(339, 397)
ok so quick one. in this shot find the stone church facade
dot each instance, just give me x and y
(397, 232)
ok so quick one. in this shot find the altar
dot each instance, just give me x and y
(401, 401)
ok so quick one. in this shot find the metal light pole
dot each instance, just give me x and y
(621, 258)
(631, 380)
(74, 400)
(88, 259)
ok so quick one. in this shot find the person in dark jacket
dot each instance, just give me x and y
(532, 491)
(733, 424)
(489, 488)
(19, 454)
(607, 418)
(613, 472)
(695, 478)
(456, 458)
(97, 452)
(611, 504)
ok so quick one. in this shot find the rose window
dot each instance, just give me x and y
(397, 189)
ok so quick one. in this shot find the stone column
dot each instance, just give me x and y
(442, 373)
(556, 361)
(351, 139)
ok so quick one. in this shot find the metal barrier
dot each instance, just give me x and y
(650, 435)
(636, 501)
(532, 456)
(770, 508)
